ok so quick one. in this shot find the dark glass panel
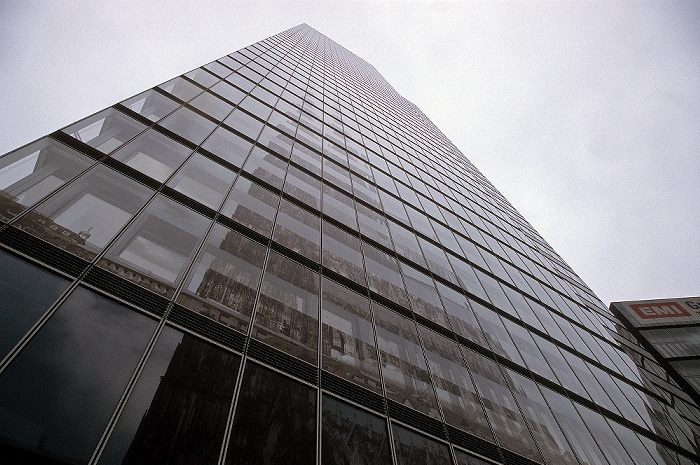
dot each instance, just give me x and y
(303, 187)
(501, 409)
(153, 154)
(341, 253)
(255, 107)
(339, 206)
(404, 369)
(298, 229)
(383, 274)
(59, 393)
(423, 295)
(224, 280)
(352, 436)
(212, 105)
(251, 205)
(227, 91)
(466, 459)
(337, 175)
(416, 449)
(287, 312)
(406, 243)
(275, 140)
(156, 248)
(177, 411)
(228, 146)
(202, 77)
(307, 158)
(87, 213)
(22, 304)
(244, 123)
(181, 88)
(455, 390)
(437, 260)
(460, 314)
(548, 435)
(203, 180)
(106, 130)
(32, 172)
(373, 225)
(188, 124)
(348, 348)
(266, 167)
(275, 421)
(151, 104)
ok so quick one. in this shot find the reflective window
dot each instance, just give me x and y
(203, 180)
(298, 229)
(228, 146)
(153, 154)
(337, 175)
(276, 141)
(32, 172)
(348, 348)
(501, 409)
(266, 167)
(460, 314)
(106, 130)
(151, 104)
(255, 107)
(549, 437)
(177, 411)
(202, 77)
(383, 276)
(244, 123)
(275, 421)
(86, 214)
(455, 390)
(404, 369)
(154, 251)
(251, 205)
(212, 105)
(466, 459)
(21, 305)
(341, 253)
(416, 449)
(406, 243)
(287, 313)
(437, 260)
(352, 436)
(189, 125)
(224, 279)
(423, 296)
(373, 225)
(59, 393)
(227, 91)
(181, 88)
(339, 206)
(303, 187)
(307, 158)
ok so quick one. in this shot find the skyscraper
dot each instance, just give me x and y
(275, 259)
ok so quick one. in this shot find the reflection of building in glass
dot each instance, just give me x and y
(276, 259)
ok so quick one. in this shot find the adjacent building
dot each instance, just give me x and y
(277, 259)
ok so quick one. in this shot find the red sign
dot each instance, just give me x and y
(659, 310)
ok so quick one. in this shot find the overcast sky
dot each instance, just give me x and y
(586, 116)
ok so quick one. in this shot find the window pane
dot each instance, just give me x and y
(403, 366)
(423, 295)
(86, 214)
(21, 305)
(416, 449)
(298, 229)
(188, 124)
(32, 172)
(228, 146)
(155, 249)
(106, 130)
(341, 253)
(203, 180)
(306, 158)
(287, 313)
(251, 205)
(153, 154)
(303, 187)
(266, 167)
(212, 105)
(348, 340)
(151, 104)
(352, 436)
(178, 409)
(181, 88)
(339, 206)
(456, 393)
(57, 396)
(383, 275)
(244, 123)
(275, 421)
(225, 278)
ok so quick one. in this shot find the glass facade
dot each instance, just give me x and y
(275, 259)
